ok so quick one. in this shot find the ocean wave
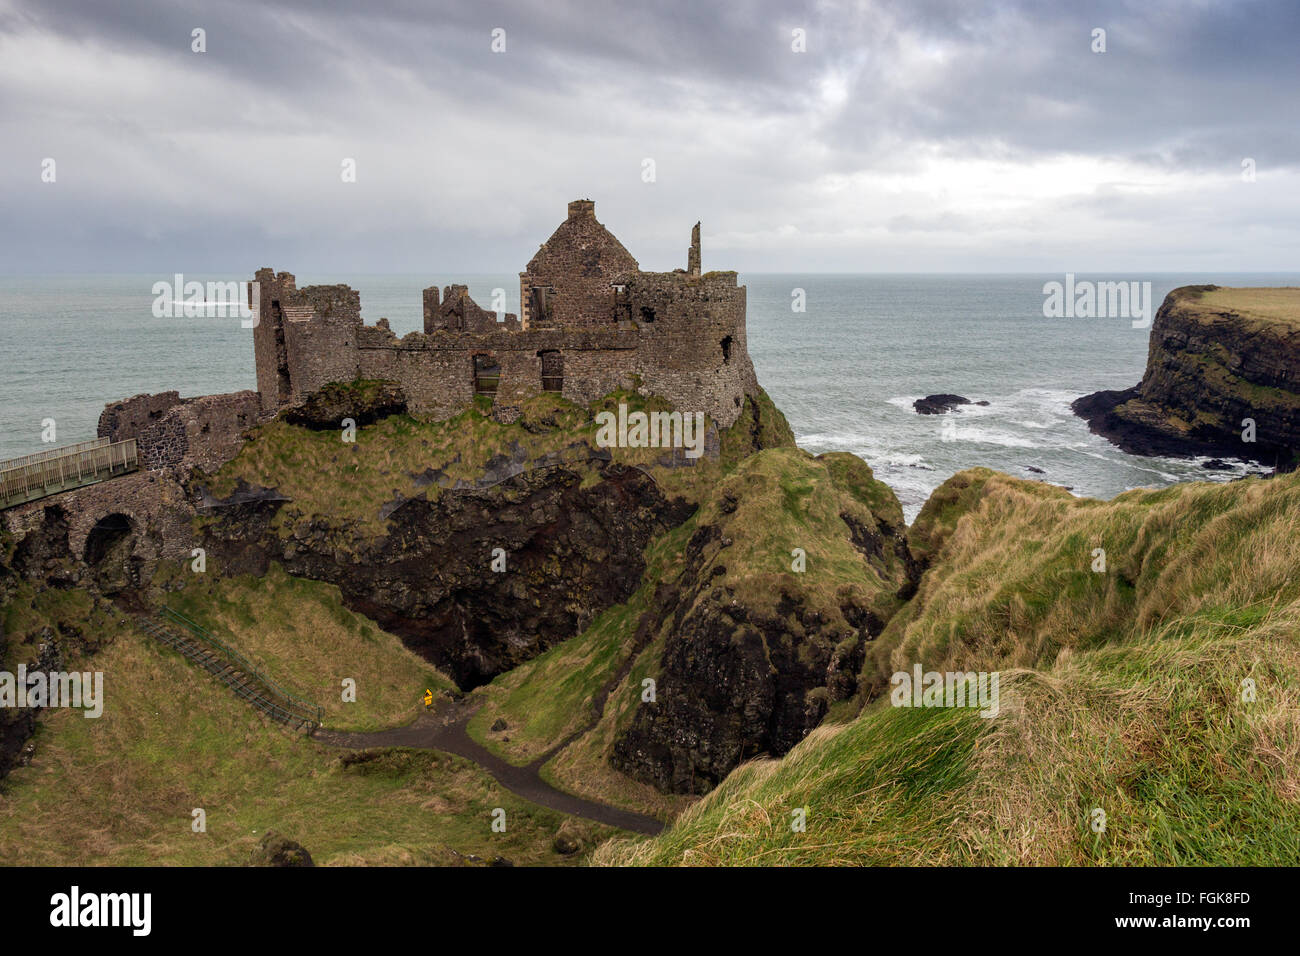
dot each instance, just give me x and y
(904, 401)
(989, 436)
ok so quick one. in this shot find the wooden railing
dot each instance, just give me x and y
(62, 469)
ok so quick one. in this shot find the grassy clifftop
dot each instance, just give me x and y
(399, 457)
(1158, 692)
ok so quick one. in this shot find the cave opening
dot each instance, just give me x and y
(109, 548)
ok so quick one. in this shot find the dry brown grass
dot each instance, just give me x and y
(1272, 305)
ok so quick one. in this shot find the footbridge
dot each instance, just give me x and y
(63, 469)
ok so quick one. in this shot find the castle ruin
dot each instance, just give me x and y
(591, 322)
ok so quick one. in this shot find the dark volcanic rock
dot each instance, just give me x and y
(745, 671)
(364, 402)
(943, 402)
(570, 553)
(42, 560)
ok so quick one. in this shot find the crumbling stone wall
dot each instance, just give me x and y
(460, 313)
(131, 416)
(678, 334)
(182, 434)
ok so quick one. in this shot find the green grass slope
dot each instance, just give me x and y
(1159, 696)
(739, 541)
(121, 789)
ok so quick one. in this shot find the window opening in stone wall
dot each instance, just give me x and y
(552, 372)
(540, 305)
(726, 350)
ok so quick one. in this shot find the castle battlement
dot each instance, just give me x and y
(591, 322)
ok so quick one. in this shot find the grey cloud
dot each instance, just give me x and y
(466, 158)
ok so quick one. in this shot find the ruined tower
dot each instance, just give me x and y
(693, 254)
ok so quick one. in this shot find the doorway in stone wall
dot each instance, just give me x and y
(110, 554)
(487, 374)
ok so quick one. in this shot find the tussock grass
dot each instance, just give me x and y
(1012, 584)
(781, 499)
(1120, 691)
(1155, 735)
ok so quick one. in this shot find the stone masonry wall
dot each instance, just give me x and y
(681, 334)
(182, 434)
(129, 417)
(154, 503)
(578, 262)
(681, 353)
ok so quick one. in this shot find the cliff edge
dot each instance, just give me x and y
(1220, 359)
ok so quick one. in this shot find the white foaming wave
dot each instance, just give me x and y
(905, 460)
(903, 401)
(989, 436)
(1042, 404)
(838, 441)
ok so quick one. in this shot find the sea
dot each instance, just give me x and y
(843, 356)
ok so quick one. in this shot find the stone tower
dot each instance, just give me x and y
(693, 254)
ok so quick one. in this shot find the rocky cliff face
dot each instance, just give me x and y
(1218, 357)
(792, 571)
(568, 550)
(51, 613)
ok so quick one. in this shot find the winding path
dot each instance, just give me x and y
(446, 731)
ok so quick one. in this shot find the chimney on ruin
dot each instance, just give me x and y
(582, 207)
(693, 254)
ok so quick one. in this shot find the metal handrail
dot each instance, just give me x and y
(205, 635)
(244, 689)
(11, 463)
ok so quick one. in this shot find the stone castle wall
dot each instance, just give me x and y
(677, 334)
(181, 434)
(576, 267)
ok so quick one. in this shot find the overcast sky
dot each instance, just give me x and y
(910, 136)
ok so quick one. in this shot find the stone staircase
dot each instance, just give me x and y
(200, 647)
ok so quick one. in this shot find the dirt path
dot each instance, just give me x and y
(446, 731)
